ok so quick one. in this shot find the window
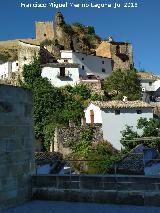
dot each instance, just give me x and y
(45, 35)
(103, 70)
(150, 83)
(117, 112)
(24, 58)
(139, 111)
(4, 75)
(17, 64)
(102, 62)
(82, 59)
(62, 71)
(82, 67)
(65, 60)
(1, 76)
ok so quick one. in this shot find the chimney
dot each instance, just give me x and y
(125, 98)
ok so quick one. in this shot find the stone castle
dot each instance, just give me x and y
(119, 52)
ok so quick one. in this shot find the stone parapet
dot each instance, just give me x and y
(135, 190)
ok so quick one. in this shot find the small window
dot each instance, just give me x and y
(1, 76)
(150, 83)
(24, 58)
(82, 59)
(103, 70)
(65, 60)
(4, 75)
(139, 111)
(62, 71)
(45, 35)
(102, 62)
(117, 112)
(82, 67)
(17, 64)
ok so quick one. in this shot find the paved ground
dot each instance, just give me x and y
(64, 207)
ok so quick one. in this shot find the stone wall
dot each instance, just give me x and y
(44, 30)
(94, 85)
(64, 136)
(120, 52)
(135, 190)
(16, 145)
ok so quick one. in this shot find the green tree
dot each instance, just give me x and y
(149, 129)
(92, 157)
(52, 106)
(124, 83)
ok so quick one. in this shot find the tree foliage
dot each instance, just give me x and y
(125, 83)
(95, 157)
(52, 106)
(149, 128)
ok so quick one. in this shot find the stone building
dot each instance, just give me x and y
(27, 51)
(44, 30)
(119, 52)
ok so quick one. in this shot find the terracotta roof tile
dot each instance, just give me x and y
(122, 104)
(148, 76)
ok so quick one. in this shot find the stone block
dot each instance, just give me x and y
(7, 131)
(152, 198)
(100, 196)
(129, 197)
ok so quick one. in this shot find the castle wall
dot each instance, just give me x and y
(16, 145)
(44, 30)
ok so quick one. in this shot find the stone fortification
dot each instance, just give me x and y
(16, 145)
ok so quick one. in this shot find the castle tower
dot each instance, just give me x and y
(120, 53)
(59, 19)
(44, 30)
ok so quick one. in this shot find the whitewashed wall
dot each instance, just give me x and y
(7, 68)
(112, 124)
(97, 114)
(51, 73)
(92, 64)
(145, 84)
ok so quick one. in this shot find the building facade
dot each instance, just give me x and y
(150, 84)
(61, 74)
(120, 53)
(89, 65)
(7, 68)
(115, 115)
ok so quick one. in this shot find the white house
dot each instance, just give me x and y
(150, 84)
(7, 68)
(115, 115)
(89, 65)
(149, 81)
(61, 74)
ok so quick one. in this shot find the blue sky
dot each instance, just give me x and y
(140, 26)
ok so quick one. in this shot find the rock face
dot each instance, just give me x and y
(74, 37)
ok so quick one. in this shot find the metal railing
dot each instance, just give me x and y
(132, 164)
